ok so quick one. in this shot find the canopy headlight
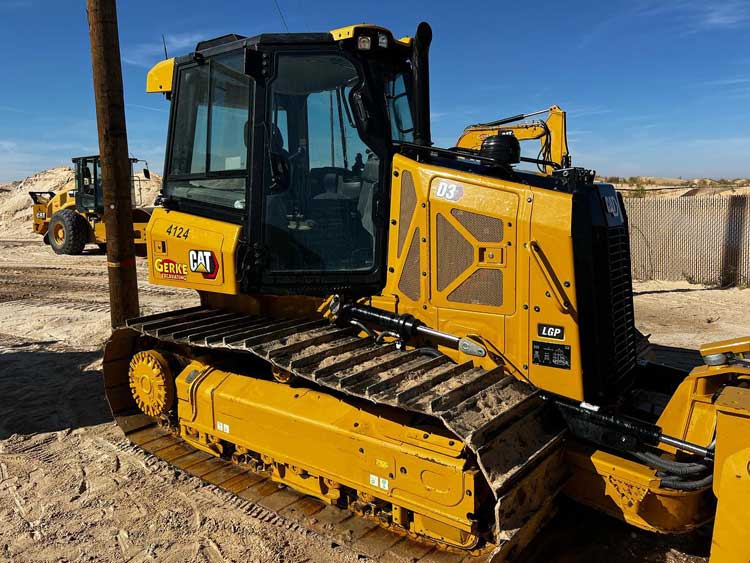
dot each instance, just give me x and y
(364, 43)
(382, 40)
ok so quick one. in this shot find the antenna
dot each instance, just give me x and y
(164, 42)
(281, 15)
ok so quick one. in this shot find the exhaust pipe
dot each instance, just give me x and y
(421, 62)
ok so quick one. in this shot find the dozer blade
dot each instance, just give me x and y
(512, 434)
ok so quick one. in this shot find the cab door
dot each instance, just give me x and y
(87, 173)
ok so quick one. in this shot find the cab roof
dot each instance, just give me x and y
(159, 78)
(233, 41)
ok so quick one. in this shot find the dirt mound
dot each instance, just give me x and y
(15, 203)
(146, 190)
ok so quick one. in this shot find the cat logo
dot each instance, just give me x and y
(613, 206)
(204, 262)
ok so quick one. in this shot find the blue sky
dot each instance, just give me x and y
(652, 87)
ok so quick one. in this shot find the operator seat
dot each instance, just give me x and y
(331, 187)
(276, 208)
(276, 218)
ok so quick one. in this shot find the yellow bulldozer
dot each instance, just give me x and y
(433, 339)
(73, 217)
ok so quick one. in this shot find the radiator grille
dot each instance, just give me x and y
(482, 227)
(408, 283)
(483, 287)
(621, 299)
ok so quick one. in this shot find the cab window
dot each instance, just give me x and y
(399, 109)
(208, 160)
(323, 177)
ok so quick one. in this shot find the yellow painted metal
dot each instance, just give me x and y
(159, 78)
(40, 223)
(732, 477)
(530, 217)
(349, 31)
(691, 412)
(151, 382)
(631, 492)
(192, 252)
(58, 234)
(48, 206)
(472, 136)
(325, 446)
(735, 346)
(100, 232)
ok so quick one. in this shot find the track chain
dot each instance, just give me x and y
(499, 418)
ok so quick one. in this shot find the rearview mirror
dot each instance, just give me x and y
(147, 173)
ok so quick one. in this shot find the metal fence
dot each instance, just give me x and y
(699, 239)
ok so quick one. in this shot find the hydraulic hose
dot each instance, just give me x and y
(679, 485)
(433, 352)
(676, 468)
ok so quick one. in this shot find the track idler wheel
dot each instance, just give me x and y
(151, 383)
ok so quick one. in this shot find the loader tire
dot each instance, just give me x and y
(68, 232)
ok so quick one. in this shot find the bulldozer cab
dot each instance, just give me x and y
(88, 179)
(292, 136)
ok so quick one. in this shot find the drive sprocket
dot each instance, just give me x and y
(151, 383)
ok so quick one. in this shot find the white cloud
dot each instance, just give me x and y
(138, 106)
(13, 110)
(15, 4)
(727, 81)
(20, 158)
(695, 16)
(685, 17)
(588, 111)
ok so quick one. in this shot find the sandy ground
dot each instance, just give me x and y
(677, 313)
(71, 491)
(15, 203)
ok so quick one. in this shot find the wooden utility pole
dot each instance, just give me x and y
(113, 150)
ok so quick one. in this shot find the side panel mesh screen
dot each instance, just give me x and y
(483, 228)
(407, 205)
(483, 287)
(454, 255)
(408, 283)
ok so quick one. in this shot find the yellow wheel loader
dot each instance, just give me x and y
(73, 217)
(432, 339)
